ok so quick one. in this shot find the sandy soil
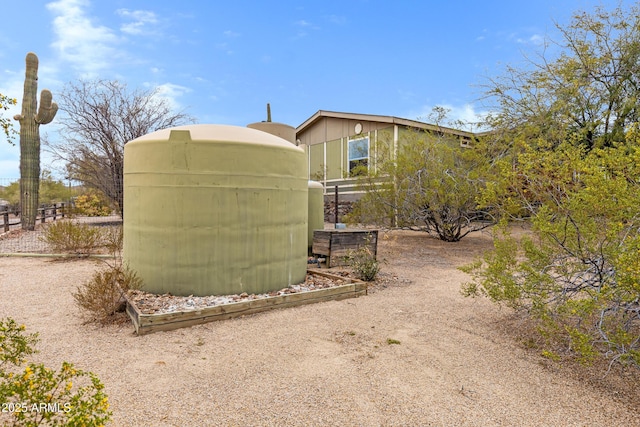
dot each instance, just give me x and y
(458, 362)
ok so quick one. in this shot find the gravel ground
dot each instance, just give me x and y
(324, 364)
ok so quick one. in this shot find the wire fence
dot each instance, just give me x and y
(61, 201)
(19, 241)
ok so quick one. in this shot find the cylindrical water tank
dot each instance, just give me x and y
(278, 129)
(215, 210)
(316, 209)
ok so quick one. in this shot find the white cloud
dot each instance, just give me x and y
(303, 23)
(464, 117)
(87, 46)
(537, 39)
(141, 21)
(171, 93)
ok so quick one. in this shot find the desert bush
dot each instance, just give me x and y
(112, 239)
(578, 275)
(33, 395)
(91, 204)
(431, 184)
(67, 236)
(103, 295)
(363, 262)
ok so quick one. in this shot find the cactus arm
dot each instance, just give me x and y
(47, 109)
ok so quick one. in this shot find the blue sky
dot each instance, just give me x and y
(221, 62)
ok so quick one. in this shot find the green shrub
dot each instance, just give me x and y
(14, 344)
(363, 262)
(34, 395)
(67, 236)
(577, 273)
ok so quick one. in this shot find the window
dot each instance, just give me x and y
(358, 156)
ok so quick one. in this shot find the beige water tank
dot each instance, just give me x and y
(215, 210)
(285, 132)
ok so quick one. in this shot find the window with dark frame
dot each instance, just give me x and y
(358, 156)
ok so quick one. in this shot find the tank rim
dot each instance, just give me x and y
(215, 133)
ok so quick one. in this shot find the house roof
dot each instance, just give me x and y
(380, 119)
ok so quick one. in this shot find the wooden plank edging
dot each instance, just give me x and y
(148, 323)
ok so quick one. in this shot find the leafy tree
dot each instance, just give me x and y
(100, 118)
(569, 159)
(579, 274)
(431, 185)
(587, 95)
(51, 190)
(11, 193)
(6, 124)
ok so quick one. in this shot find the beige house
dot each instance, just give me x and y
(338, 144)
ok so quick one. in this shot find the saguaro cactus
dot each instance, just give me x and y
(30, 120)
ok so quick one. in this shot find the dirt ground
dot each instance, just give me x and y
(414, 352)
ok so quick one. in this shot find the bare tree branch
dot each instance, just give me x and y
(100, 117)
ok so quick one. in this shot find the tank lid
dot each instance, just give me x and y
(216, 133)
(315, 184)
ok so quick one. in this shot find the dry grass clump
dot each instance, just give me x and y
(68, 236)
(102, 297)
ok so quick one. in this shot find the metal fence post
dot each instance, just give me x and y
(335, 218)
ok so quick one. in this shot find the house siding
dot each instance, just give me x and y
(326, 135)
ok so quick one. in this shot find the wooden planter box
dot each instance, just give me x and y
(148, 323)
(336, 244)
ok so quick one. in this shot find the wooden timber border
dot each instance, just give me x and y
(148, 323)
